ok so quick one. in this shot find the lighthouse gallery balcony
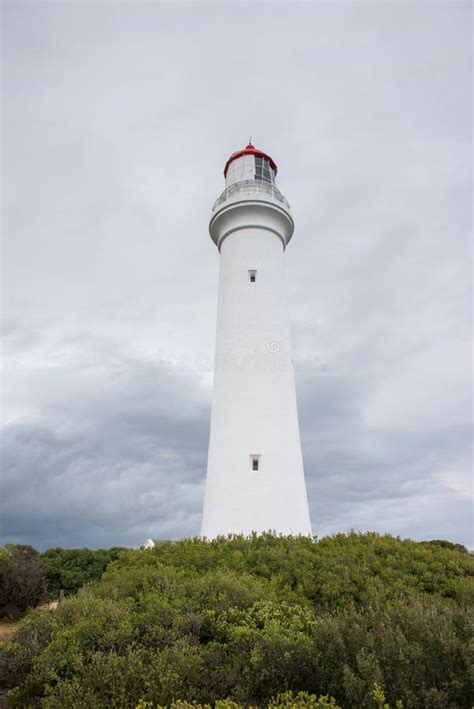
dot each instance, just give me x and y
(250, 189)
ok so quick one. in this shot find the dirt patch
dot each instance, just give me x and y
(8, 627)
(50, 606)
(6, 631)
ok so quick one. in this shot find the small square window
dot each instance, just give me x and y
(255, 462)
(252, 275)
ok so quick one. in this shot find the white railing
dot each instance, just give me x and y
(249, 189)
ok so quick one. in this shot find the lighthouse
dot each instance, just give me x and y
(255, 478)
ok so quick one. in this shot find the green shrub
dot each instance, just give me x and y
(22, 577)
(68, 570)
(373, 622)
(302, 700)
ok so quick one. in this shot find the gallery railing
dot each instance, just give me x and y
(248, 189)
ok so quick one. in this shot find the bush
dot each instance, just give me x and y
(22, 577)
(373, 622)
(302, 700)
(28, 577)
(68, 570)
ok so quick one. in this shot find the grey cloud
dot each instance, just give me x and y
(107, 464)
(117, 121)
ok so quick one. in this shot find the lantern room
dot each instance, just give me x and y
(250, 164)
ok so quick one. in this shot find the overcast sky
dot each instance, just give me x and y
(118, 118)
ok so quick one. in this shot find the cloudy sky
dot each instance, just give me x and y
(118, 118)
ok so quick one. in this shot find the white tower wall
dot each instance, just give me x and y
(254, 411)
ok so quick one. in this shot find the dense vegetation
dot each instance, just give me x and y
(28, 577)
(370, 621)
(68, 570)
(22, 578)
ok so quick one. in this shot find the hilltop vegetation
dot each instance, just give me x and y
(354, 621)
(28, 577)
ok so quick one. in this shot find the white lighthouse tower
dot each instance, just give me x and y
(255, 478)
